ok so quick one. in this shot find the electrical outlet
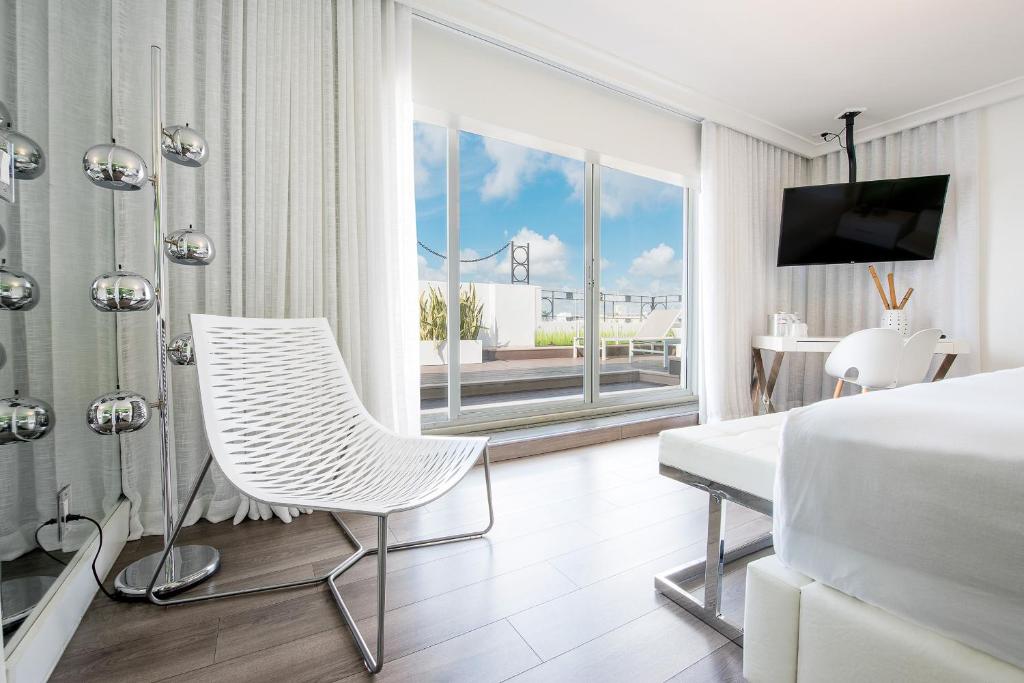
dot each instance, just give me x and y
(63, 510)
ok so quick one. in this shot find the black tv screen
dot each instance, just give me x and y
(876, 220)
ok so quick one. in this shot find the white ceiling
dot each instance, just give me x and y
(795, 64)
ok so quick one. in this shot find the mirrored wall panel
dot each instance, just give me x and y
(57, 352)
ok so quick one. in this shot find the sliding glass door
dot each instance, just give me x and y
(643, 270)
(564, 269)
(521, 274)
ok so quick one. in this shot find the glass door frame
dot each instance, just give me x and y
(592, 403)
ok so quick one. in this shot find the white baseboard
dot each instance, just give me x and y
(37, 654)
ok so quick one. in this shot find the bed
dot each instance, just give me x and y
(912, 501)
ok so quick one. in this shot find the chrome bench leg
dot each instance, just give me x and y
(709, 610)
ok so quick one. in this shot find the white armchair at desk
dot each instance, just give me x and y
(879, 358)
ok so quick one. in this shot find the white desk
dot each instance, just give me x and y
(762, 386)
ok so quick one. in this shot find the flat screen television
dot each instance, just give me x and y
(876, 220)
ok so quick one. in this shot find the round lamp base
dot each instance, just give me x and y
(189, 565)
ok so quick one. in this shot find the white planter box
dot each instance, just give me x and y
(436, 353)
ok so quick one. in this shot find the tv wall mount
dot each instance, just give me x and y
(847, 115)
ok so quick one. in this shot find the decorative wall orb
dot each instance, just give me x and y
(115, 168)
(118, 412)
(181, 351)
(18, 291)
(29, 161)
(184, 146)
(5, 116)
(189, 248)
(24, 419)
(121, 291)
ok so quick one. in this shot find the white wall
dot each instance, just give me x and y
(487, 85)
(1002, 243)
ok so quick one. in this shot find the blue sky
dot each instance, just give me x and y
(514, 192)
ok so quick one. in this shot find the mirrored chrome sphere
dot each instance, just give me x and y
(180, 350)
(29, 162)
(115, 168)
(24, 419)
(184, 146)
(118, 412)
(5, 116)
(189, 248)
(121, 291)
(18, 291)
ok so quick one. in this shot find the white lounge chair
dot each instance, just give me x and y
(651, 337)
(287, 428)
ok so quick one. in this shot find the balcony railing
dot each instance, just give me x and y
(567, 304)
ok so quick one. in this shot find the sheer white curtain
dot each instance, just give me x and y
(307, 196)
(742, 179)
(741, 192)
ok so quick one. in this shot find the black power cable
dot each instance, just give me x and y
(95, 558)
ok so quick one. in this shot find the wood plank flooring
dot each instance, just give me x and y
(560, 590)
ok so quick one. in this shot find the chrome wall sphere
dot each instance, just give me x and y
(29, 161)
(184, 146)
(189, 248)
(118, 412)
(121, 291)
(115, 168)
(24, 419)
(18, 291)
(180, 351)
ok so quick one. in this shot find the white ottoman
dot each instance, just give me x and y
(732, 461)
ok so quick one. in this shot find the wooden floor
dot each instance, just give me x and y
(561, 590)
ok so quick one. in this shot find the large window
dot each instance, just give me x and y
(570, 280)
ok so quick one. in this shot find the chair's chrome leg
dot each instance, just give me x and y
(359, 553)
(382, 585)
(455, 537)
(373, 663)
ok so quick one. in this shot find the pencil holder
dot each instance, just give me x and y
(897, 320)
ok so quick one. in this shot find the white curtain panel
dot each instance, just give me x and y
(307, 195)
(742, 181)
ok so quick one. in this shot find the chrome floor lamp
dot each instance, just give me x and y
(119, 168)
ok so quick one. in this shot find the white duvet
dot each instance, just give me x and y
(913, 500)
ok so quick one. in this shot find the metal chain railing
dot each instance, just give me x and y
(465, 260)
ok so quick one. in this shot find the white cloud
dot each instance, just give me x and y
(513, 166)
(549, 261)
(657, 262)
(548, 256)
(428, 272)
(623, 193)
(429, 152)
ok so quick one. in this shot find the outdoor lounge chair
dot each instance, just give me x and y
(286, 427)
(651, 337)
